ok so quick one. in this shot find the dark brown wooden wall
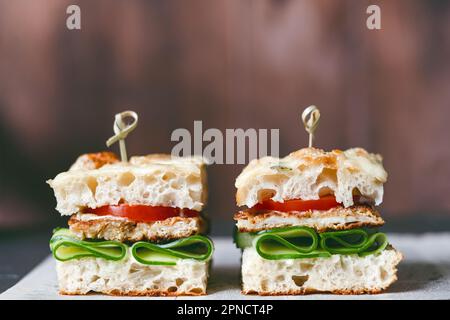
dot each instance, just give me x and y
(232, 64)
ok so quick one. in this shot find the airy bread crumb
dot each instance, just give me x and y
(128, 277)
(154, 180)
(339, 274)
(311, 173)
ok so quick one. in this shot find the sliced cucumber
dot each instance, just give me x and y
(66, 246)
(244, 239)
(302, 242)
(195, 247)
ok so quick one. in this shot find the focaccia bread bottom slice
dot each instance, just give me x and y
(338, 274)
(130, 278)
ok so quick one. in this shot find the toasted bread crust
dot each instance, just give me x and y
(135, 293)
(345, 218)
(312, 291)
(122, 229)
(90, 161)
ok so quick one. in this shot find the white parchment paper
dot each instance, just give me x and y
(423, 274)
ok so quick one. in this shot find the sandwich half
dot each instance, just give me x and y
(309, 223)
(135, 228)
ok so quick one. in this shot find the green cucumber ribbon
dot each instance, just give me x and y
(195, 247)
(304, 242)
(289, 243)
(65, 246)
(353, 241)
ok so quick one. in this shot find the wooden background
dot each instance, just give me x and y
(232, 64)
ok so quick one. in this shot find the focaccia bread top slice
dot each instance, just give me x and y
(310, 173)
(95, 180)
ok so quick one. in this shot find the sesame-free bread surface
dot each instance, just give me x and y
(154, 180)
(339, 274)
(129, 277)
(310, 173)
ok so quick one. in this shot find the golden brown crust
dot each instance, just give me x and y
(313, 156)
(307, 291)
(90, 161)
(256, 218)
(99, 159)
(129, 230)
(135, 293)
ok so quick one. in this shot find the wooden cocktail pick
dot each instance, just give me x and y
(122, 129)
(310, 117)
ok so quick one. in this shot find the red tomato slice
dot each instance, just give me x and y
(323, 203)
(142, 213)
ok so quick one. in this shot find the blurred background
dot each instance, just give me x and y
(232, 64)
